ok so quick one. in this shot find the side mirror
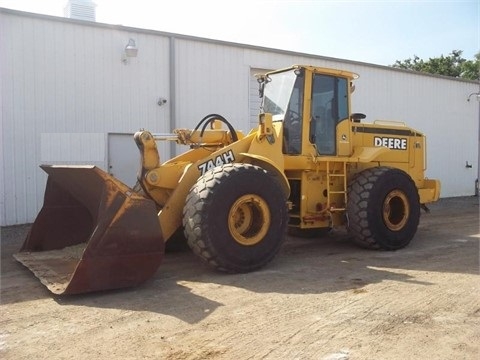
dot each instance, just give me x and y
(261, 87)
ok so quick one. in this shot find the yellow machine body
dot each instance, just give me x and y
(311, 165)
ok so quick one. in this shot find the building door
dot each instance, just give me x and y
(123, 158)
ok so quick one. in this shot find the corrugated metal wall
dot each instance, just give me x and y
(436, 106)
(64, 87)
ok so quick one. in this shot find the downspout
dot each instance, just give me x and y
(172, 102)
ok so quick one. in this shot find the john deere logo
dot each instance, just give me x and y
(391, 143)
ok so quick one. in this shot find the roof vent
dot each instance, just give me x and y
(80, 10)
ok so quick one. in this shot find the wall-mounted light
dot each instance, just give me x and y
(131, 50)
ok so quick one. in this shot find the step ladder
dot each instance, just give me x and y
(335, 170)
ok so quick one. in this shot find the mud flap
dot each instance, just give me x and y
(93, 233)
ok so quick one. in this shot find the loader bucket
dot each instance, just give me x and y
(93, 233)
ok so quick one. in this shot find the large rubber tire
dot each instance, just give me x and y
(383, 208)
(235, 217)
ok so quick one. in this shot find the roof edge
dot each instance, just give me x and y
(226, 43)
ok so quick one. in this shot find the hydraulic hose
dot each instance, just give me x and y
(210, 118)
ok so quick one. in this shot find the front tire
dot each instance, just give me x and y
(383, 208)
(235, 217)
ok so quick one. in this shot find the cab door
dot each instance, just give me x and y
(329, 108)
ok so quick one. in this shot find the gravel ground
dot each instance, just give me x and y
(319, 299)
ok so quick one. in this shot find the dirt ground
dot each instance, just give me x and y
(319, 299)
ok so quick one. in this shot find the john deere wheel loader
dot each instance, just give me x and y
(311, 165)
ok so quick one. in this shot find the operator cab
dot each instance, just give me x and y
(283, 94)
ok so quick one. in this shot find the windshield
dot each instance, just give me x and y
(277, 92)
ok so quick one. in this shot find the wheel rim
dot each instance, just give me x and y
(396, 210)
(249, 219)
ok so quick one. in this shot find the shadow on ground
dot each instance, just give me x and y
(446, 241)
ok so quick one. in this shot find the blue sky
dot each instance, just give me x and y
(377, 32)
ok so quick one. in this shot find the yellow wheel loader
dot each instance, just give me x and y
(310, 166)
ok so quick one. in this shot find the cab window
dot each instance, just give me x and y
(329, 107)
(293, 119)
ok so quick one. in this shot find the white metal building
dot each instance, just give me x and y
(71, 95)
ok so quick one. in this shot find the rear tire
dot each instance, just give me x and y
(383, 208)
(235, 217)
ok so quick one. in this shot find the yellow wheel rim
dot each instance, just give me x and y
(396, 210)
(249, 219)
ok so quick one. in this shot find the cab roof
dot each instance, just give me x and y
(320, 70)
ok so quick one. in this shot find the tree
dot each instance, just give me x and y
(453, 65)
(471, 68)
